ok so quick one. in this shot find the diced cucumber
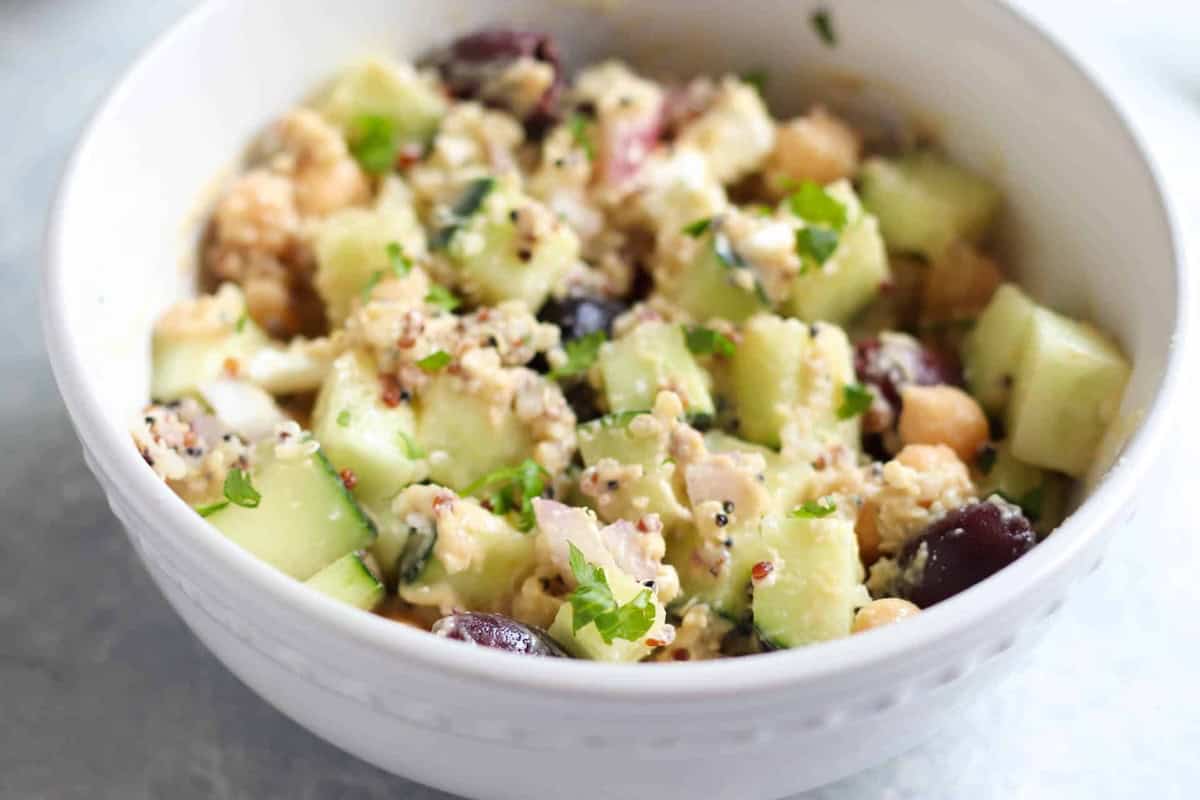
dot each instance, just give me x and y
(464, 428)
(498, 259)
(382, 87)
(587, 641)
(391, 538)
(1041, 494)
(305, 520)
(1066, 393)
(357, 430)
(815, 584)
(924, 203)
(652, 493)
(652, 357)
(785, 371)
(787, 480)
(199, 340)
(993, 348)
(852, 277)
(352, 249)
(351, 580)
(709, 288)
(723, 583)
(500, 558)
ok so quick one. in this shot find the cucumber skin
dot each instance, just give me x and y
(351, 581)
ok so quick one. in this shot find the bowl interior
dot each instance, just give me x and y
(1083, 225)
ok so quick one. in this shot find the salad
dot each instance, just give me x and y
(615, 368)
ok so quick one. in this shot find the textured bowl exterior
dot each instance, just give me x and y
(491, 725)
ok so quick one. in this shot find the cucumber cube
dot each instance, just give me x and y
(350, 580)
(1067, 392)
(587, 641)
(993, 348)
(382, 87)
(651, 358)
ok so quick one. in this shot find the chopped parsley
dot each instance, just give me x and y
(816, 206)
(343, 417)
(513, 489)
(581, 354)
(435, 361)
(696, 229)
(442, 297)
(469, 202)
(210, 508)
(400, 263)
(856, 399)
(704, 341)
(814, 509)
(1030, 502)
(822, 23)
(815, 244)
(239, 490)
(592, 601)
(240, 325)
(411, 448)
(756, 78)
(373, 143)
(578, 124)
(372, 282)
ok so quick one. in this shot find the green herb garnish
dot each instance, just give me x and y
(696, 229)
(513, 489)
(814, 509)
(343, 418)
(581, 354)
(411, 448)
(578, 125)
(756, 78)
(442, 297)
(400, 263)
(435, 361)
(704, 341)
(373, 143)
(470, 201)
(211, 508)
(816, 206)
(822, 23)
(372, 282)
(592, 601)
(1030, 502)
(856, 399)
(240, 325)
(239, 490)
(816, 243)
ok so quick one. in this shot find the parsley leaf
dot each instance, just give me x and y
(756, 78)
(442, 297)
(592, 601)
(435, 361)
(1030, 502)
(814, 509)
(343, 417)
(373, 143)
(816, 206)
(696, 229)
(211, 508)
(578, 123)
(816, 243)
(617, 419)
(372, 282)
(856, 399)
(469, 202)
(400, 263)
(240, 325)
(514, 488)
(704, 341)
(822, 23)
(411, 448)
(581, 354)
(239, 490)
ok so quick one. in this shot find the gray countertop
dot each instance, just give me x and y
(105, 694)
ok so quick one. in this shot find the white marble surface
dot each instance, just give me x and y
(103, 693)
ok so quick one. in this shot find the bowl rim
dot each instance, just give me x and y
(112, 456)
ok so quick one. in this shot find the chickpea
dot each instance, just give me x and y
(817, 147)
(942, 415)
(866, 528)
(878, 613)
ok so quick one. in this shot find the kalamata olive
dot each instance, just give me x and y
(499, 632)
(962, 548)
(578, 316)
(471, 65)
(892, 361)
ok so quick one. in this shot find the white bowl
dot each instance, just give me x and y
(1085, 224)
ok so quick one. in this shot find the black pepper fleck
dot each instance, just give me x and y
(514, 215)
(728, 543)
(721, 520)
(524, 254)
(193, 451)
(149, 420)
(227, 437)
(814, 331)
(728, 506)
(405, 395)
(612, 485)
